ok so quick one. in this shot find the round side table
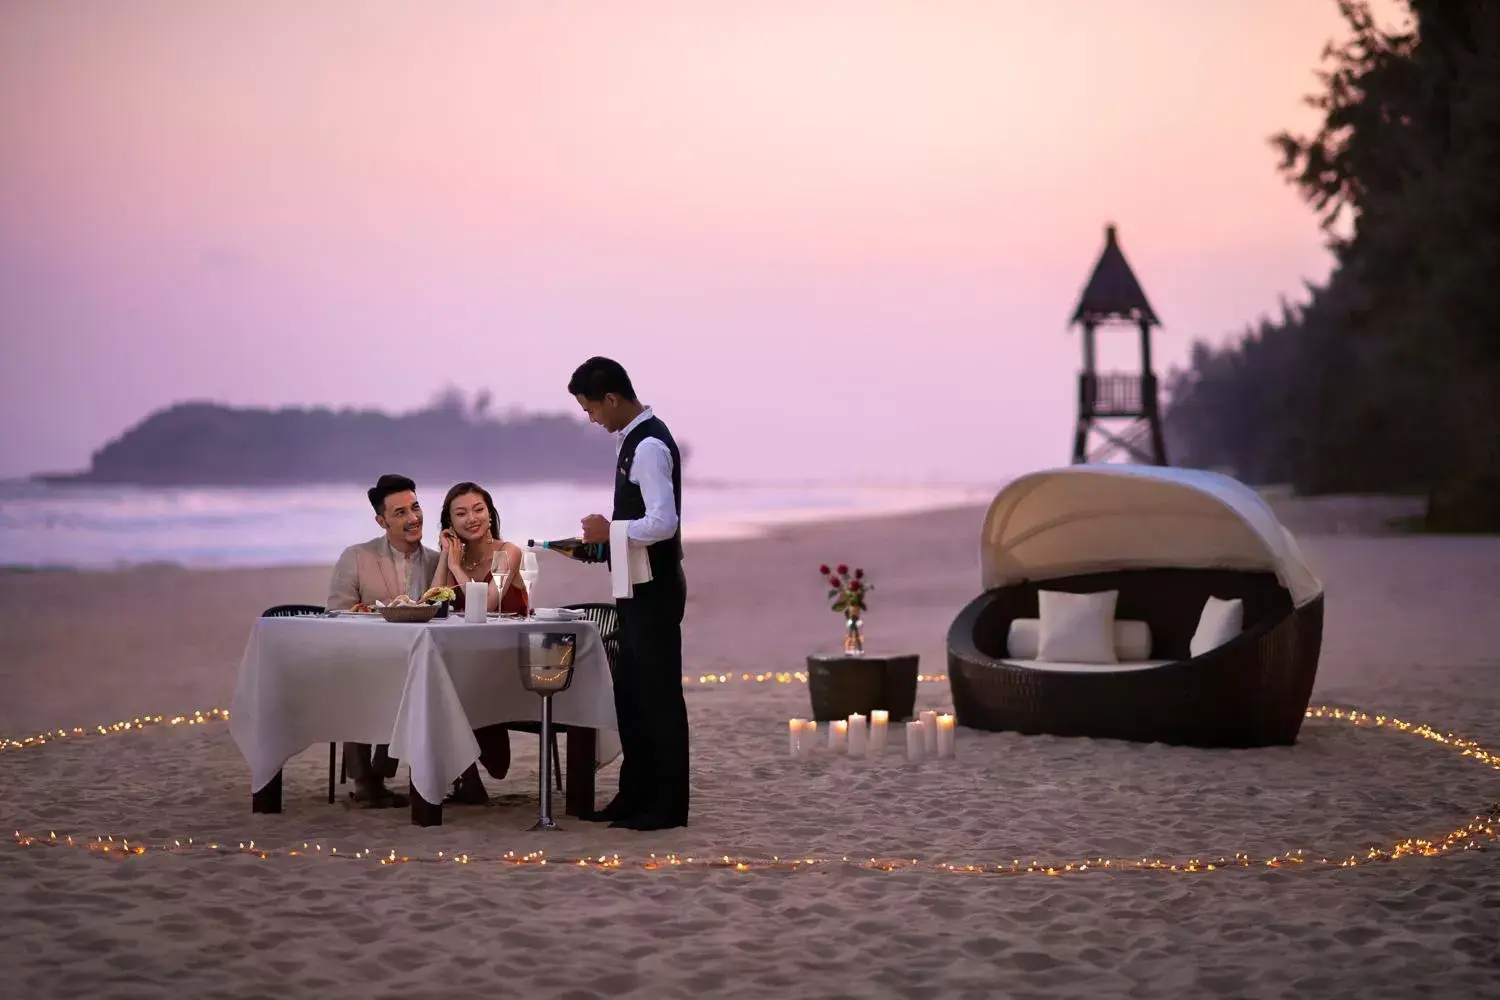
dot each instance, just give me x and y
(840, 685)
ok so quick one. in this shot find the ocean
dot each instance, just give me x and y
(108, 527)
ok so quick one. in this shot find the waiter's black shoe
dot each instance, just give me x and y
(648, 821)
(609, 814)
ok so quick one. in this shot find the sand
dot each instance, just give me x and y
(1412, 631)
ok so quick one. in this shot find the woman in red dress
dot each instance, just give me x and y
(470, 539)
(470, 542)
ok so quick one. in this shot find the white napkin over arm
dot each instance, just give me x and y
(651, 470)
(629, 562)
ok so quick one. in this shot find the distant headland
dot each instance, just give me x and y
(209, 444)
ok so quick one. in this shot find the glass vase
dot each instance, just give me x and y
(854, 636)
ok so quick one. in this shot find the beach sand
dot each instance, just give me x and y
(1412, 631)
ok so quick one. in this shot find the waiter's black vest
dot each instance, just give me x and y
(665, 556)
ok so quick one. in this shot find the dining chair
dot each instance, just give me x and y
(335, 765)
(607, 620)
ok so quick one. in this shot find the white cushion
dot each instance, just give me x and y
(1132, 639)
(1220, 622)
(1077, 628)
(1086, 668)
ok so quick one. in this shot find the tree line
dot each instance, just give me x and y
(451, 439)
(1383, 379)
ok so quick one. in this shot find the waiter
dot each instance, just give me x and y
(649, 706)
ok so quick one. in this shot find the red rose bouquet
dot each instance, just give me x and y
(848, 591)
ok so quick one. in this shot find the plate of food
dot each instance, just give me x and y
(440, 595)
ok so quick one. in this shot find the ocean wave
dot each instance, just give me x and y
(91, 526)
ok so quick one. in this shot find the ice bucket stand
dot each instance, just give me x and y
(546, 669)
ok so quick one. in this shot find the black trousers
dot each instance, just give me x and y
(649, 706)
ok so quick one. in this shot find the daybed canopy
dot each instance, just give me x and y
(1091, 518)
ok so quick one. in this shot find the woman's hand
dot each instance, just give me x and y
(453, 551)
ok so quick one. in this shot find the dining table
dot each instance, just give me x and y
(423, 688)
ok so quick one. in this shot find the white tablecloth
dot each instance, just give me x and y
(421, 688)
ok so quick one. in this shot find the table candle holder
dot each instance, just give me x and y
(546, 669)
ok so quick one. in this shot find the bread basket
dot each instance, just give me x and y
(408, 614)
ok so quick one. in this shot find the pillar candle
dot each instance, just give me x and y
(794, 727)
(945, 735)
(809, 736)
(929, 732)
(858, 735)
(916, 743)
(838, 735)
(878, 720)
(476, 595)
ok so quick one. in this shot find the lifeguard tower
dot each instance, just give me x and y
(1119, 408)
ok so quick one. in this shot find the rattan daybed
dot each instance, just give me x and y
(1167, 540)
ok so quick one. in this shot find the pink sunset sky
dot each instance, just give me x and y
(829, 239)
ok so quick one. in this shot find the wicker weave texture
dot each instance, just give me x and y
(1252, 691)
(840, 686)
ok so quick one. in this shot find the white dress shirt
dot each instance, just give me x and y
(409, 566)
(652, 472)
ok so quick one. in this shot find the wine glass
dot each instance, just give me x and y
(529, 573)
(499, 573)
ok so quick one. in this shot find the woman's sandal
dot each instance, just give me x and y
(468, 790)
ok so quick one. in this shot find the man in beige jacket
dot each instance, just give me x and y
(378, 570)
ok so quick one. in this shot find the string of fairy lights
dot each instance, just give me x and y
(792, 677)
(1477, 834)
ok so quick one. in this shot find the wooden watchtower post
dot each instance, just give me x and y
(1121, 408)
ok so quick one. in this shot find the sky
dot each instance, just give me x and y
(829, 239)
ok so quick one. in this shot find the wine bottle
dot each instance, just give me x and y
(573, 548)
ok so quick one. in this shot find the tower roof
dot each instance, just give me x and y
(1113, 291)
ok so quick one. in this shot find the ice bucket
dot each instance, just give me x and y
(547, 661)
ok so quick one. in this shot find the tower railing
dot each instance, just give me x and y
(1115, 394)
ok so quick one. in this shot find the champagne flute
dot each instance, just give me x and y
(529, 573)
(499, 574)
